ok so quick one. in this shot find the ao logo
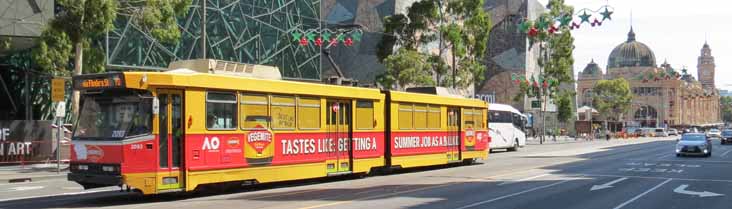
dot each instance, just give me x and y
(213, 143)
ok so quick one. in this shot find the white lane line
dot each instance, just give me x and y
(514, 194)
(520, 180)
(642, 194)
(725, 153)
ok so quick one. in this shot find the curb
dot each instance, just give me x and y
(36, 178)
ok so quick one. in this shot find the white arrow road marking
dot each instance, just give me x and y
(607, 185)
(682, 190)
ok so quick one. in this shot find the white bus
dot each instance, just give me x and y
(507, 127)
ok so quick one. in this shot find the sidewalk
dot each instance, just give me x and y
(33, 172)
(550, 140)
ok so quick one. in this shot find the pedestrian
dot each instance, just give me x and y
(607, 135)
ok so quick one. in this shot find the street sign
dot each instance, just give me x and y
(58, 89)
(61, 109)
(536, 104)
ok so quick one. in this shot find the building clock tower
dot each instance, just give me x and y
(705, 67)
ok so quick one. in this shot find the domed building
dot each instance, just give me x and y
(662, 96)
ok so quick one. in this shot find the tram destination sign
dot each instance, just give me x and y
(99, 81)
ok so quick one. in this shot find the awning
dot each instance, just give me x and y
(584, 109)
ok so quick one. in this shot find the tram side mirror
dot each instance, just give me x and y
(155, 106)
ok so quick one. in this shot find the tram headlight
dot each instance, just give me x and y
(109, 168)
(82, 167)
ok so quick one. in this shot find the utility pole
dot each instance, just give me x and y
(203, 29)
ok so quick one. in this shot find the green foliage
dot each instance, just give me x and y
(157, 16)
(565, 106)
(556, 48)
(612, 97)
(5, 43)
(726, 108)
(406, 67)
(464, 27)
(53, 51)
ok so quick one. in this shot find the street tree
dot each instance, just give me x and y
(612, 98)
(555, 58)
(460, 26)
(405, 68)
(726, 108)
(564, 103)
(73, 31)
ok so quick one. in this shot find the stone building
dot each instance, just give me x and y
(662, 96)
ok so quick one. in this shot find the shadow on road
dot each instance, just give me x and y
(244, 194)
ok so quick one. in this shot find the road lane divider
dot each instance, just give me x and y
(641, 194)
(520, 180)
(514, 194)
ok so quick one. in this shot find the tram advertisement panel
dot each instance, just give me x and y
(263, 147)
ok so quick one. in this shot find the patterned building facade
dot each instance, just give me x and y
(662, 96)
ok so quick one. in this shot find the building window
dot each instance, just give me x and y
(221, 111)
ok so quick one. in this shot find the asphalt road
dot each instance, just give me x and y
(639, 173)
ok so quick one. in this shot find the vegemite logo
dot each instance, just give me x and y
(469, 138)
(259, 139)
(259, 149)
(94, 153)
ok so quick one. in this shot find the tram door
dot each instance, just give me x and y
(339, 134)
(170, 140)
(453, 134)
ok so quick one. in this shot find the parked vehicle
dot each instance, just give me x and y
(694, 144)
(660, 132)
(673, 132)
(647, 132)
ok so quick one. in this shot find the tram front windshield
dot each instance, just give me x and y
(113, 116)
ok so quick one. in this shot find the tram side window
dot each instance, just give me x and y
(283, 112)
(308, 113)
(433, 117)
(364, 114)
(254, 111)
(468, 118)
(221, 111)
(405, 116)
(478, 118)
(420, 116)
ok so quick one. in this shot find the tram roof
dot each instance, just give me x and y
(238, 83)
(399, 96)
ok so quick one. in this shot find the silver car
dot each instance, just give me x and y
(694, 144)
(714, 133)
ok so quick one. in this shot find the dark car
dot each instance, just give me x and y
(694, 144)
(726, 136)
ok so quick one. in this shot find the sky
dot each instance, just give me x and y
(675, 30)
